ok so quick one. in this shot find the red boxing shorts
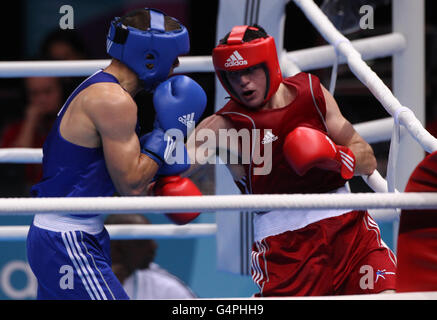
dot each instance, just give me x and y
(417, 241)
(334, 256)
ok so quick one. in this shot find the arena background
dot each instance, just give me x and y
(27, 23)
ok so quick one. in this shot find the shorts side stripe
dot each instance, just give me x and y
(95, 267)
(81, 264)
(88, 266)
(265, 261)
(371, 225)
(257, 276)
(255, 264)
(260, 276)
(392, 256)
(79, 272)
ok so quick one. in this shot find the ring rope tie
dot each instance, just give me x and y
(335, 65)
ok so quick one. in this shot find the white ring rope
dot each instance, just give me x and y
(392, 43)
(365, 74)
(375, 131)
(379, 204)
(159, 231)
(79, 68)
(377, 182)
(341, 50)
(129, 231)
(394, 149)
(372, 131)
(305, 59)
(21, 155)
(212, 203)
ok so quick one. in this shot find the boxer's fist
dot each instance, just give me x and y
(155, 145)
(177, 162)
(177, 186)
(305, 148)
(179, 103)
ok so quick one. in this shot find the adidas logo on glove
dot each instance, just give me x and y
(235, 59)
(187, 119)
(348, 161)
(179, 103)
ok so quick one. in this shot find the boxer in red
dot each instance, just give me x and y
(312, 148)
(417, 241)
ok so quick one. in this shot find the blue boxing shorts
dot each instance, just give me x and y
(72, 265)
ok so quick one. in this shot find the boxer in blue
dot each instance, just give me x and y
(94, 149)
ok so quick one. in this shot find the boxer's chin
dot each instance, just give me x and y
(252, 99)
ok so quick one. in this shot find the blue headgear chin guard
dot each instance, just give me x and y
(150, 53)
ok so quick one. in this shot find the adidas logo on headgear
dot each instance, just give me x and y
(235, 59)
(187, 119)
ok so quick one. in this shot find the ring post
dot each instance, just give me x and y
(409, 83)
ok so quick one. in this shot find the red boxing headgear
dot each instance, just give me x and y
(239, 55)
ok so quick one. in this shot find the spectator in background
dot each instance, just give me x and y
(44, 99)
(45, 96)
(65, 45)
(132, 263)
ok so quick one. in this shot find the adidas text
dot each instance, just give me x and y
(235, 60)
(235, 63)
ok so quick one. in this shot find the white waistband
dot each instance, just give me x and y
(279, 221)
(63, 223)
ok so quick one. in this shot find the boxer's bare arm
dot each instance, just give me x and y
(106, 115)
(341, 131)
(200, 148)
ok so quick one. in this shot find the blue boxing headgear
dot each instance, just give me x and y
(149, 53)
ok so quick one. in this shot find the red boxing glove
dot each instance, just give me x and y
(177, 186)
(305, 148)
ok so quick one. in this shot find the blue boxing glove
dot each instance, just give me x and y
(170, 155)
(154, 145)
(179, 103)
(166, 149)
(177, 162)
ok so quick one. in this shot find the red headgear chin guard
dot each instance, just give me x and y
(238, 55)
